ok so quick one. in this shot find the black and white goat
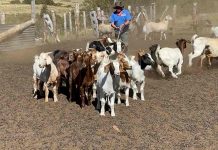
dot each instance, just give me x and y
(170, 57)
(106, 44)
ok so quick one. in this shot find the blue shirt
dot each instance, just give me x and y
(119, 20)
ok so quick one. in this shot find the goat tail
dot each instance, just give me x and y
(145, 28)
(195, 36)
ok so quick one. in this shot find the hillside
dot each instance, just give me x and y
(8, 8)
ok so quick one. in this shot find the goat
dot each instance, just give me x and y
(45, 70)
(105, 29)
(125, 80)
(105, 88)
(199, 44)
(170, 57)
(214, 31)
(106, 44)
(81, 78)
(61, 60)
(157, 27)
(137, 78)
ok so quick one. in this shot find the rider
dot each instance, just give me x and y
(120, 20)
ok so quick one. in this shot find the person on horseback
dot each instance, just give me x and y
(120, 20)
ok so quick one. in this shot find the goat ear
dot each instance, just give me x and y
(188, 41)
(177, 44)
(132, 57)
(48, 60)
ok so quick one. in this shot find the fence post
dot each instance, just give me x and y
(65, 24)
(154, 11)
(2, 18)
(84, 20)
(130, 8)
(70, 22)
(174, 18)
(194, 17)
(55, 26)
(137, 10)
(164, 12)
(77, 22)
(151, 13)
(33, 10)
(94, 22)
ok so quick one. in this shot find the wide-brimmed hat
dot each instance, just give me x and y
(118, 5)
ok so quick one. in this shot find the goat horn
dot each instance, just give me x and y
(188, 41)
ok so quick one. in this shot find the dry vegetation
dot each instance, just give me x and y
(8, 8)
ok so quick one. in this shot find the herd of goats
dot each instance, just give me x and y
(103, 70)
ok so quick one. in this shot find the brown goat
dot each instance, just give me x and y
(81, 78)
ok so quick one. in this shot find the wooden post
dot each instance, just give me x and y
(54, 20)
(55, 26)
(70, 22)
(164, 12)
(130, 8)
(151, 13)
(84, 21)
(102, 16)
(65, 24)
(94, 22)
(2, 18)
(137, 10)
(98, 13)
(174, 18)
(194, 17)
(154, 11)
(77, 22)
(33, 10)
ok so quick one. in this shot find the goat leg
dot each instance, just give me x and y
(55, 92)
(46, 92)
(201, 60)
(35, 87)
(82, 96)
(70, 87)
(89, 96)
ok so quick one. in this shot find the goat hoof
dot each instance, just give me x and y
(102, 114)
(113, 115)
(89, 103)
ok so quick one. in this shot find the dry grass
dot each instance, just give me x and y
(8, 8)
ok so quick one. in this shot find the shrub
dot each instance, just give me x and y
(15, 2)
(47, 2)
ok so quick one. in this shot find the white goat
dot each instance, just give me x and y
(157, 27)
(215, 31)
(105, 29)
(137, 78)
(105, 90)
(45, 70)
(199, 44)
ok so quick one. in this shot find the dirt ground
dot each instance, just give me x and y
(176, 114)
